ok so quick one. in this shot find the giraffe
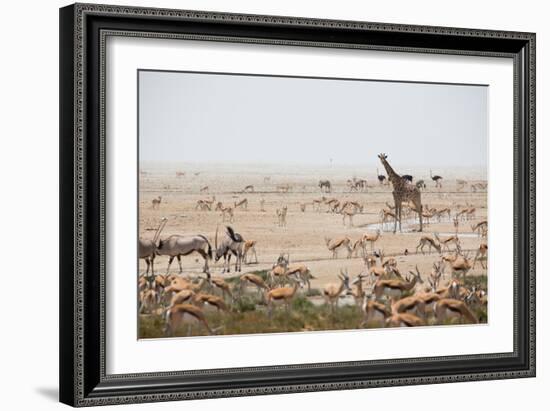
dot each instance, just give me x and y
(402, 191)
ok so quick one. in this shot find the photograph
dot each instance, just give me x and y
(281, 204)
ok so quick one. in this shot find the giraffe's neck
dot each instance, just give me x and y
(392, 175)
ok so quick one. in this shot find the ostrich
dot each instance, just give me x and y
(407, 177)
(381, 178)
(437, 179)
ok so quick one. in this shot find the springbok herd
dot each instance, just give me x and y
(269, 243)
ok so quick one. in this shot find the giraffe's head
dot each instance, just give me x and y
(382, 156)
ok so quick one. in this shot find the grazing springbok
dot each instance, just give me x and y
(302, 272)
(445, 243)
(325, 186)
(220, 284)
(253, 279)
(208, 299)
(332, 291)
(335, 244)
(430, 242)
(404, 320)
(182, 296)
(176, 315)
(182, 245)
(155, 202)
(394, 289)
(281, 216)
(231, 244)
(448, 309)
(203, 205)
(241, 204)
(282, 295)
(250, 247)
(479, 227)
(373, 312)
(226, 211)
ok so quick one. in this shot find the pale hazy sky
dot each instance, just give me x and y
(190, 117)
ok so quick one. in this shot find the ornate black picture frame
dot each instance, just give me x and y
(83, 30)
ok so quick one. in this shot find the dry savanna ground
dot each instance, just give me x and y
(302, 237)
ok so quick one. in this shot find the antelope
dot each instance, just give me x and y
(448, 308)
(404, 320)
(394, 289)
(281, 216)
(373, 311)
(181, 297)
(282, 295)
(367, 238)
(176, 314)
(179, 245)
(479, 227)
(386, 216)
(458, 263)
(325, 186)
(332, 291)
(303, 272)
(444, 244)
(435, 275)
(410, 305)
(241, 204)
(254, 279)
(349, 214)
(220, 284)
(278, 271)
(374, 270)
(202, 205)
(358, 292)
(478, 186)
(481, 253)
(476, 298)
(332, 205)
(248, 189)
(337, 243)
(232, 244)
(249, 247)
(439, 213)
(358, 246)
(317, 203)
(155, 202)
(354, 205)
(204, 189)
(427, 241)
(213, 300)
(148, 298)
(226, 211)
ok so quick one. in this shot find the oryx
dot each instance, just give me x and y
(147, 249)
(232, 243)
(178, 245)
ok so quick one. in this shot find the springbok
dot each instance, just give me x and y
(386, 217)
(481, 254)
(148, 299)
(204, 189)
(373, 312)
(282, 295)
(479, 227)
(448, 309)
(175, 316)
(303, 272)
(226, 211)
(278, 271)
(209, 299)
(394, 289)
(427, 241)
(248, 189)
(281, 216)
(253, 279)
(220, 284)
(155, 202)
(349, 213)
(445, 244)
(404, 320)
(180, 245)
(372, 239)
(459, 264)
(332, 291)
(241, 204)
(249, 247)
(231, 244)
(337, 243)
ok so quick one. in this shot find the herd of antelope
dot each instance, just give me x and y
(384, 290)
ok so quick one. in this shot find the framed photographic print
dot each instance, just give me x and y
(282, 204)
